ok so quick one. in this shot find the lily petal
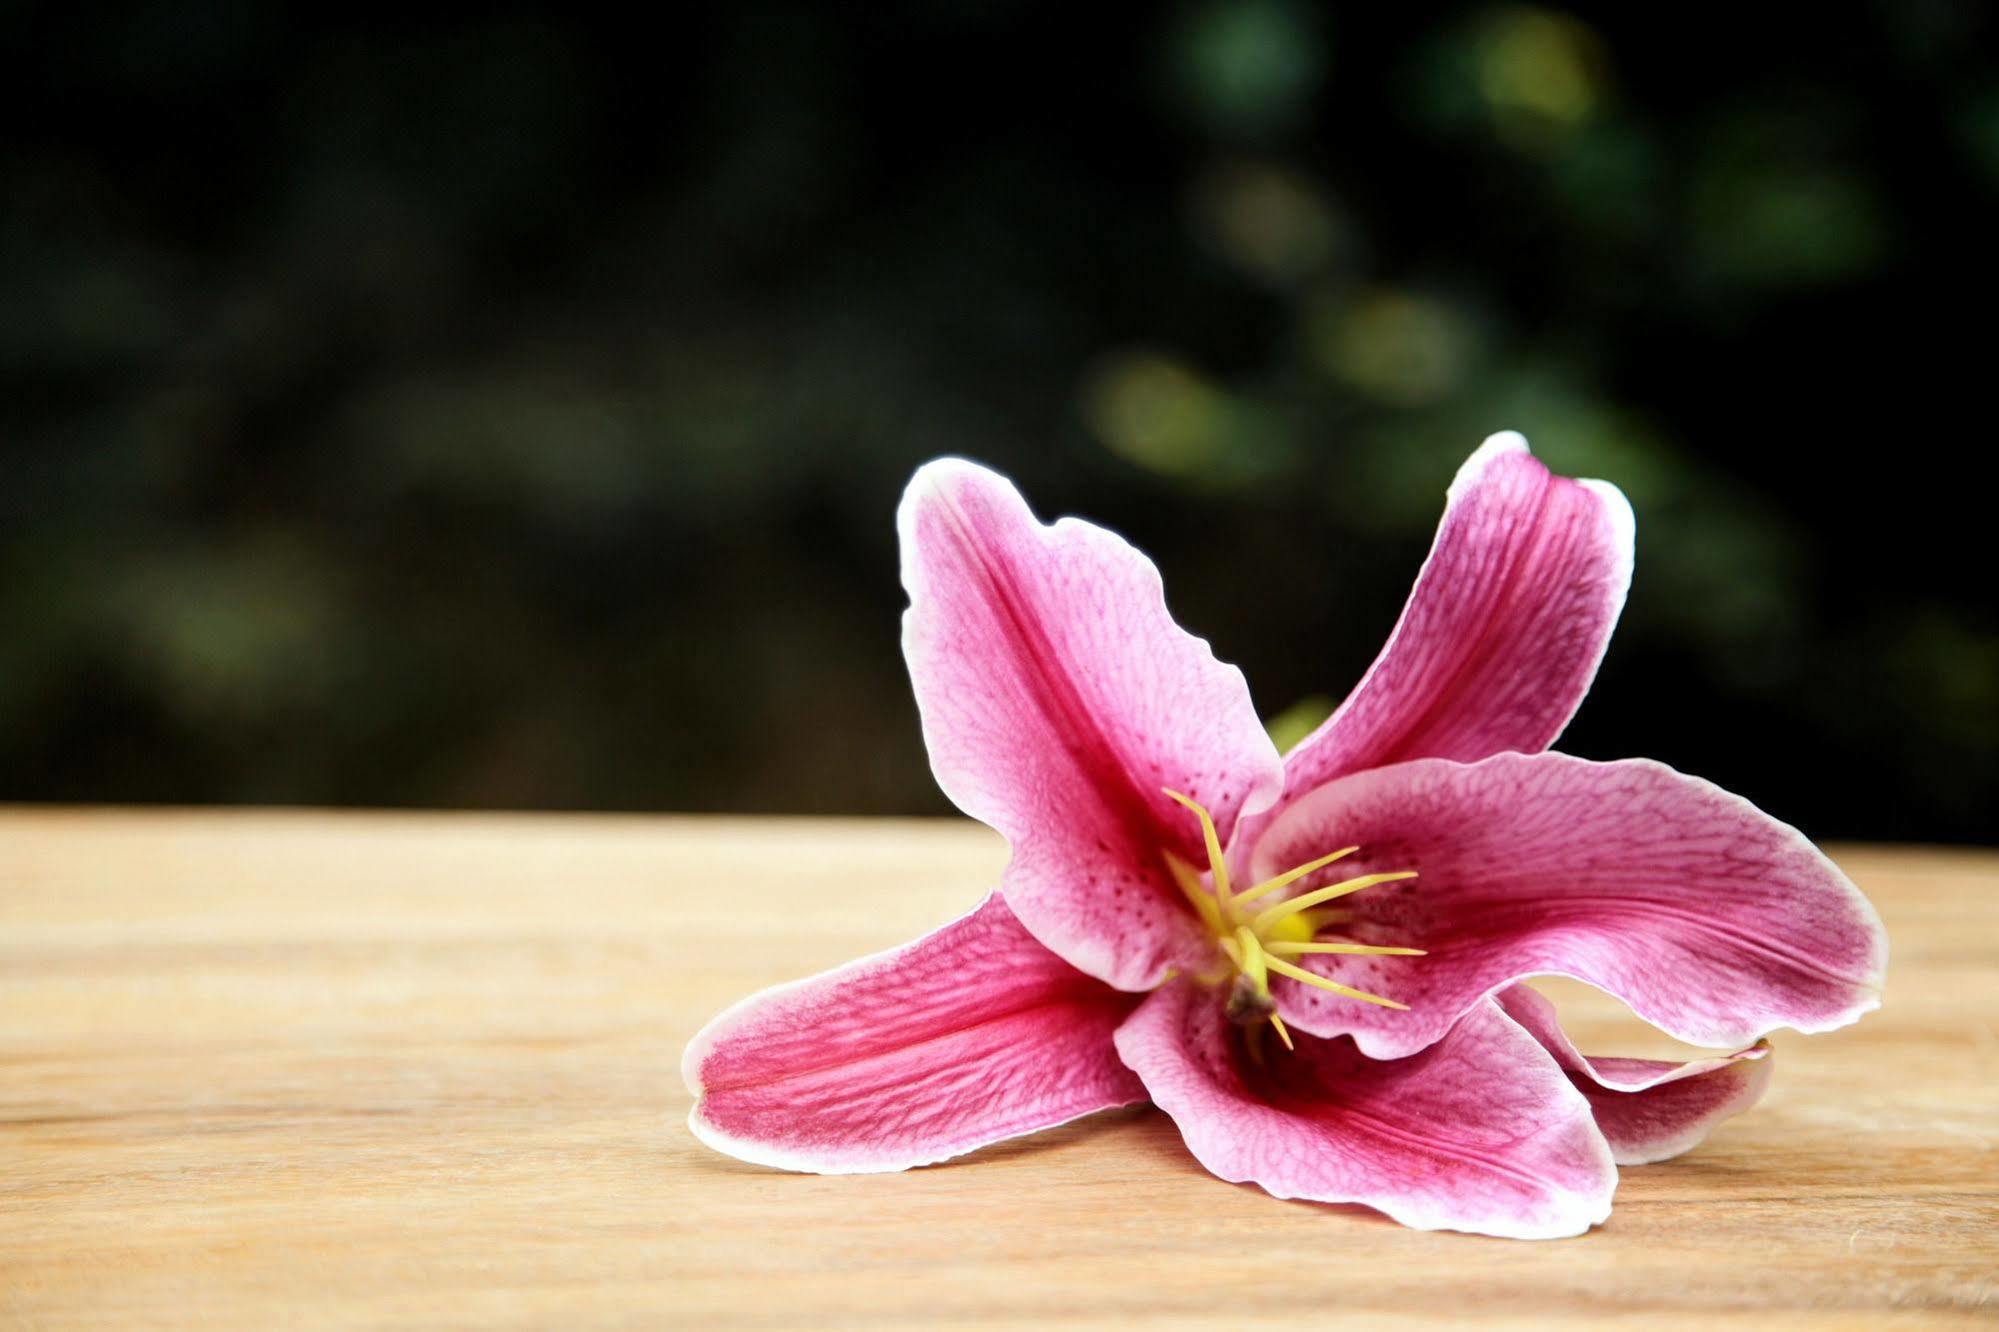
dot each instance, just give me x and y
(1711, 919)
(1059, 702)
(1482, 1132)
(1502, 632)
(968, 1036)
(1648, 1109)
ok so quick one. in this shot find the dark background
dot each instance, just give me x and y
(499, 407)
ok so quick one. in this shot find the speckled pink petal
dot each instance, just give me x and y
(968, 1036)
(1481, 1132)
(1648, 1109)
(1502, 633)
(1711, 919)
(1059, 699)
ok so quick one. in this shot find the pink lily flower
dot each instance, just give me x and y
(1347, 1027)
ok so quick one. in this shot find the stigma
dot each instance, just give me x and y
(1259, 937)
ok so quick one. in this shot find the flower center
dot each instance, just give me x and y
(1258, 941)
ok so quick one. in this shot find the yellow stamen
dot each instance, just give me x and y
(1291, 876)
(1258, 946)
(1216, 865)
(1253, 959)
(1189, 880)
(1269, 916)
(1283, 968)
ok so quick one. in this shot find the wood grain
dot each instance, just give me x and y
(298, 1069)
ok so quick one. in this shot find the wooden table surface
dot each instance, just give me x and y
(302, 1069)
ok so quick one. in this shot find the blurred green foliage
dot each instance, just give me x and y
(502, 407)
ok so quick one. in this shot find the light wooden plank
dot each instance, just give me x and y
(268, 1069)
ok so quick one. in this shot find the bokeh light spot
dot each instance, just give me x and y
(1273, 223)
(1777, 223)
(1542, 75)
(1299, 720)
(1250, 68)
(1160, 414)
(1399, 346)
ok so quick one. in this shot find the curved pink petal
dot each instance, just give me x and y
(1711, 919)
(1059, 700)
(965, 1037)
(1502, 632)
(1648, 1109)
(1482, 1132)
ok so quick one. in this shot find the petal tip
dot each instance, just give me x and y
(934, 480)
(752, 1152)
(690, 1070)
(1494, 447)
(946, 465)
(695, 1054)
(1623, 525)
